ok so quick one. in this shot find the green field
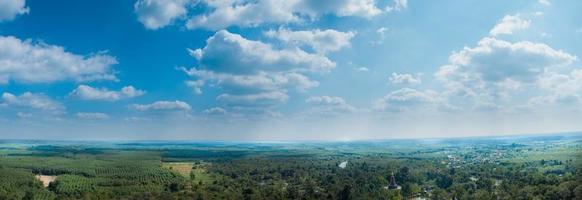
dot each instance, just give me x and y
(540, 167)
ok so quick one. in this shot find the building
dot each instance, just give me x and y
(392, 185)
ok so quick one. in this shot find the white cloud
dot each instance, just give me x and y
(32, 101)
(215, 111)
(509, 25)
(398, 5)
(261, 81)
(197, 84)
(407, 99)
(231, 53)
(155, 14)
(342, 8)
(28, 62)
(361, 69)
(253, 99)
(224, 14)
(247, 14)
(381, 32)
(247, 70)
(545, 2)
(92, 116)
(330, 104)
(85, 92)
(162, 106)
(407, 79)
(496, 69)
(9, 9)
(562, 88)
(24, 115)
(135, 119)
(322, 41)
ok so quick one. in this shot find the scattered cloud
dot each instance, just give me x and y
(545, 2)
(86, 92)
(406, 99)
(561, 87)
(31, 101)
(215, 111)
(496, 68)
(253, 99)
(155, 14)
(9, 9)
(330, 104)
(509, 25)
(381, 32)
(92, 116)
(252, 71)
(222, 14)
(30, 62)
(342, 8)
(322, 41)
(162, 106)
(397, 5)
(231, 53)
(135, 119)
(406, 79)
(362, 69)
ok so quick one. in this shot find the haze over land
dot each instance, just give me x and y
(288, 70)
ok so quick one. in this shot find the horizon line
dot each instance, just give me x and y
(298, 141)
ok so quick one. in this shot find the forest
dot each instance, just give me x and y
(524, 167)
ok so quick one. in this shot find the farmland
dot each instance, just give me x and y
(542, 167)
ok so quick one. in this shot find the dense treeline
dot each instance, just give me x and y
(487, 172)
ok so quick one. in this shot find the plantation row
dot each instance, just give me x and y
(21, 184)
(82, 176)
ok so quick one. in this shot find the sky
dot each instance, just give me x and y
(288, 69)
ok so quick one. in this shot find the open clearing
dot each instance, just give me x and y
(46, 180)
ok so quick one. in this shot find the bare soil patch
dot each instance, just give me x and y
(46, 180)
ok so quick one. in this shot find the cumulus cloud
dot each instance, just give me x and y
(322, 41)
(231, 53)
(86, 92)
(406, 79)
(398, 5)
(560, 88)
(162, 106)
(408, 99)
(216, 15)
(330, 104)
(29, 62)
(223, 14)
(342, 8)
(509, 25)
(31, 101)
(155, 14)
(252, 71)
(92, 116)
(495, 70)
(9, 9)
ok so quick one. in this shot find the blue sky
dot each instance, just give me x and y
(288, 69)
